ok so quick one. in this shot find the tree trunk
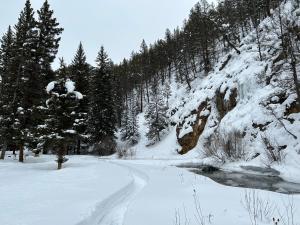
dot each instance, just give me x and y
(21, 154)
(59, 165)
(141, 93)
(186, 75)
(258, 42)
(2, 156)
(231, 45)
(268, 7)
(296, 82)
(169, 71)
(147, 92)
(157, 119)
(78, 147)
(60, 156)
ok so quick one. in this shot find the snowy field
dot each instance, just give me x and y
(94, 191)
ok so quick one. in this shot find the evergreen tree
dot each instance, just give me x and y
(48, 41)
(60, 124)
(156, 115)
(46, 140)
(129, 130)
(80, 71)
(27, 95)
(47, 46)
(6, 90)
(167, 92)
(63, 70)
(102, 120)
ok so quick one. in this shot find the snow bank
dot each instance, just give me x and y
(35, 193)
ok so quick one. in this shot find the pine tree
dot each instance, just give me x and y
(47, 46)
(102, 120)
(80, 72)
(27, 95)
(6, 91)
(48, 41)
(46, 140)
(129, 129)
(156, 115)
(63, 71)
(167, 92)
(60, 124)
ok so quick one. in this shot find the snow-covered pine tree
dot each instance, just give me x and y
(6, 90)
(47, 46)
(45, 141)
(80, 71)
(129, 130)
(62, 104)
(102, 118)
(156, 115)
(167, 92)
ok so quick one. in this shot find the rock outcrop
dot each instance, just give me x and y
(224, 106)
(190, 140)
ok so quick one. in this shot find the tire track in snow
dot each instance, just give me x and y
(112, 210)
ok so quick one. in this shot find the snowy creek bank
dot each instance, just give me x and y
(96, 191)
(248, 177)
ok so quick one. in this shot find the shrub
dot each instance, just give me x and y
(273, 151)
(225, 146)
(125, 152)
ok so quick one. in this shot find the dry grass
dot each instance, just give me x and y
(229, 146)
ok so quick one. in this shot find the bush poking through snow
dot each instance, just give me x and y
(225, 146)
(199, 219)
(105, 147)
(259, 210)
(262, 210)
(273, 151)
(125, 152)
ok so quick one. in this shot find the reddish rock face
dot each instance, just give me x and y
(190, 140)
(225, 106)
(294, 108)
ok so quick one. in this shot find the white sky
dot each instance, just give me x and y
(119, 25)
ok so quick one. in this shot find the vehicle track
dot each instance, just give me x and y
(112, 210)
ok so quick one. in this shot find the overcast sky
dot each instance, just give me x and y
(119, 25)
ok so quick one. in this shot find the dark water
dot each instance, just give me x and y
(264, 179)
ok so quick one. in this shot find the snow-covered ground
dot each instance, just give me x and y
(95, 191)
(36, 193)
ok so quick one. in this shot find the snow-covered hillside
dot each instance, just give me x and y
(243, 98)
